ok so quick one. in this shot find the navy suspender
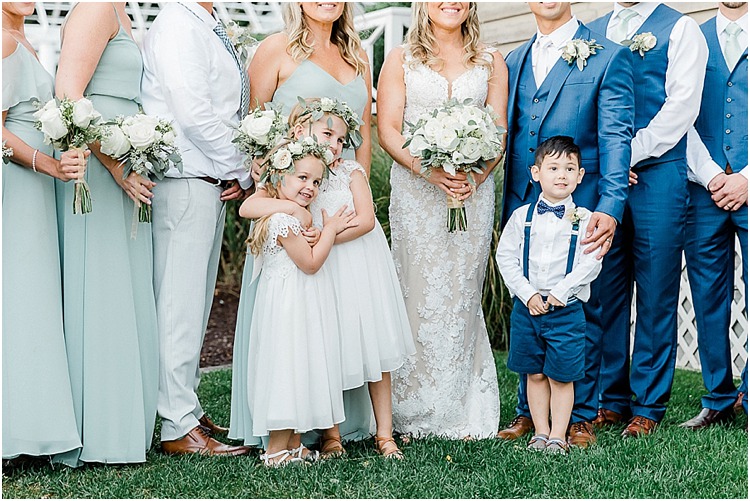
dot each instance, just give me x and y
(527, 240)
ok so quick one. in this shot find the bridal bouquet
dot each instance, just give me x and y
(455, 137)
(144, 144)
(67, 125)
(7, 153)
(260, 131)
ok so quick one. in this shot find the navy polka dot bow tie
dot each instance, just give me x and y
(557, 210)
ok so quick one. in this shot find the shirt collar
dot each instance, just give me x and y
(643, 9)
(722, 22)
(568, 202)
(200, 13)
(561, 35)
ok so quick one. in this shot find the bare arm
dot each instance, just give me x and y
(264, 69)
(310, 259)
(259, 204)
(364, 152)
(365, 213)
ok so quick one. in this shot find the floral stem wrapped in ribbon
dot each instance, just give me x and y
(260, 131)
(67, 125)
(455, 137)
(7, 153)
(143, 144)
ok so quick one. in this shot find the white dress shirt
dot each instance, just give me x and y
(548, 255)
(687, 56)
(547, 49)
(191, 79)
(702, 168)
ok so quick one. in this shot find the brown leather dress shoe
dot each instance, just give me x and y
(214, 428)
(738, 403)
(708, 417)
(638, 426)
(520, 426)
(581, 435)
(606, 417)
(198, 441)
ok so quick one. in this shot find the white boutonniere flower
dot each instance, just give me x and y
(244, 43)
(641, 43)
(574, 216)
(579, 50)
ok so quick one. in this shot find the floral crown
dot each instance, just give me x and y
(281, 162)
(316, 108)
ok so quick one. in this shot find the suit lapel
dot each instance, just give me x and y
(561, 71)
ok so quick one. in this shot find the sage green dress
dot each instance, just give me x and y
(110, 309)
(307, 81)
(38, 417)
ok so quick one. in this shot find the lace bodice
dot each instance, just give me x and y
(426, 89)
(276, 262)
(335, 192)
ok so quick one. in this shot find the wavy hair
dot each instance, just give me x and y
(343, 35)
(421, 44)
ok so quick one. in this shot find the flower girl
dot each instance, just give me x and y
(294, 373)
(375, 333)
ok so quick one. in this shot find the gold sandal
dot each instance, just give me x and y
(388, 448)
(332, 448)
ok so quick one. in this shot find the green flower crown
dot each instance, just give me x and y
(281, 162)
(319, 107)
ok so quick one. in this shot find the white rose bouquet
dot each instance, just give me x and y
(260, 131)
(455, 137)
(71, 125)
(7, 153)
(144, 144)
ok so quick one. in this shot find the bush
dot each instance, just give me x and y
(496, 301)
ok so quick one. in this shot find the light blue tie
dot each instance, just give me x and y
(620, 32)
(732, 50)
(245, 97)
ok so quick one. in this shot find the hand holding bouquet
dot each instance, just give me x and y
(144, 144)
(260, 131)
(455, 137)
(70, 125)
(7, 153)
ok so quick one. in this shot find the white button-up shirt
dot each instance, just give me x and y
(687, 57)
(702, 168)
(191, 79)
(548, 255)
(547, 49)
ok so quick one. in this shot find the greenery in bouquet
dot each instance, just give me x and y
(7, 153)
(260, 131)
(68, 124)
(144, 144)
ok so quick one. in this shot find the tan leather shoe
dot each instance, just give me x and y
(520, 426)
(581, 435)
(198, 441)
(738, 404)
(606, 417)
(639, 426)
(708, 417)
(214, 428)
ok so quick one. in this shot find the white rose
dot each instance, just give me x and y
(295, 148)
(457, 158)
(583, 50)
(115, 143)
(53, 125)
(84, 113)
(447, 140)
(649, 41)
(141, 130)
(327, 104)
(282, 159)
(431, 129)
(309, 141)
(168, 137)
(571, 50)
(257, 127)
(418, 145)
(471, 149)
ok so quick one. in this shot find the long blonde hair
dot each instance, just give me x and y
(421, 44)
(343, 35)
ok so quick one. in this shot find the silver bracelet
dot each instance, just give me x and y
(33, 160)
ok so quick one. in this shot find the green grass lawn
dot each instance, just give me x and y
(673, 463)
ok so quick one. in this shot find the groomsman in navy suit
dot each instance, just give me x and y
(669, 57)
(591, 101)
(717, 157)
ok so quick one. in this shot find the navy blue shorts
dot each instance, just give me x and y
(550, 344)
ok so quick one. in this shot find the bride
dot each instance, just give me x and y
(450, 387)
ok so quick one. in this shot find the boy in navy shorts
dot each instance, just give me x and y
(544, 267)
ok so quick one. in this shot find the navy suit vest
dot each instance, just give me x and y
(722, 122)
(650, 74)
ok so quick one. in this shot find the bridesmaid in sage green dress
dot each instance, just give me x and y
(38, 417)
(325, 71)
(110, 312)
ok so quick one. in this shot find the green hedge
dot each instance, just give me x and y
(496, 301)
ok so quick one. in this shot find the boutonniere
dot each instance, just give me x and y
(242, 41)
(579, 50)
(641, 43)
(574, 216)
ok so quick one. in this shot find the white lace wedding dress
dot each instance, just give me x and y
(449, 388)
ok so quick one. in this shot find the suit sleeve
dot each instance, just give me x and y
(616, 127)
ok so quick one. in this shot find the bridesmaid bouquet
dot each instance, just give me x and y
(7, 153)
(143, 144)
(260, 131)
(455, 137)
(68, 124)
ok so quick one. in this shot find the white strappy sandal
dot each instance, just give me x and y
(311, 456)
(286, 459)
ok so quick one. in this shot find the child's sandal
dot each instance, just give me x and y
(387, 448)
(305, 454)
(332, 448)
(537, 443)
(556, 446)
(286, 459)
